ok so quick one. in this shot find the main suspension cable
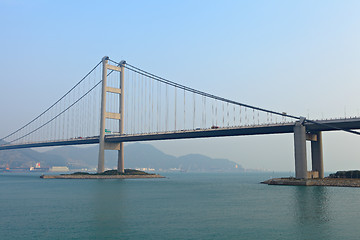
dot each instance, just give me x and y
(54, 103)
(185, 88)
(57, 114)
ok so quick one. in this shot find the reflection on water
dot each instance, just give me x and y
(311, 210)
(311, 204)
(109, 197)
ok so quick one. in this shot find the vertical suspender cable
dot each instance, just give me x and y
(145, 107)
(156, 123)
(149, 104)
(228, 116)
(63, 119)
(194, 111)
(216, 110)
(223, 115)
(239, 115)
(202, 112)
(152, 106)
(160, 111)
(234, 115)
(246, 118)
(175, 106)
(253, 116)
(134, 104)
(167, 107)
(139, 104)
(143, 111)
(212, 112)
(205, 112)
(184, 110)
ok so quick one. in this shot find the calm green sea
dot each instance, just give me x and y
(182, 206)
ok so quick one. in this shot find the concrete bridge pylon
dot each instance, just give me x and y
(300, 137)
(110, 115)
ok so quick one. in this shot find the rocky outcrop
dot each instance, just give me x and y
(346, 174)
(335, 182)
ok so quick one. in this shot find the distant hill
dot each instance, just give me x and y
(78, 157)
(28, 158)
(25, 158)
(139, 155)
(198, 162)
(136, 156)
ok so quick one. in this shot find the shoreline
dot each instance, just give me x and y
(329, 182)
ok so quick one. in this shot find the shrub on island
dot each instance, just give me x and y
(346, 174)
(114, 172)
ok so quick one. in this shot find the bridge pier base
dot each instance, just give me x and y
(317, 154)
(101, 158)
(300, 151)
(120, 167)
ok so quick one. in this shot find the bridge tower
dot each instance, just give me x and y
(300, 137)
(300, 150)
(111, 115)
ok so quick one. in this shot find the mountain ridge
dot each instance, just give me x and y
(137, 155)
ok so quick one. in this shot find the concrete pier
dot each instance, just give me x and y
(120, 166)
(300, 151)
(317, 154)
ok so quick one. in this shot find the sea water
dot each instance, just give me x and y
(181, 206)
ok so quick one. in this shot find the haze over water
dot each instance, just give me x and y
(182, 206)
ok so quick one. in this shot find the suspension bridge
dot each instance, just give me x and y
(116, 102)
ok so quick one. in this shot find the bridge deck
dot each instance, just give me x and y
(350, 123)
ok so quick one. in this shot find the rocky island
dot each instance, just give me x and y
(110, 174)
(338, 179)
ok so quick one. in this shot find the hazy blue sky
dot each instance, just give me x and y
(300, 57)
